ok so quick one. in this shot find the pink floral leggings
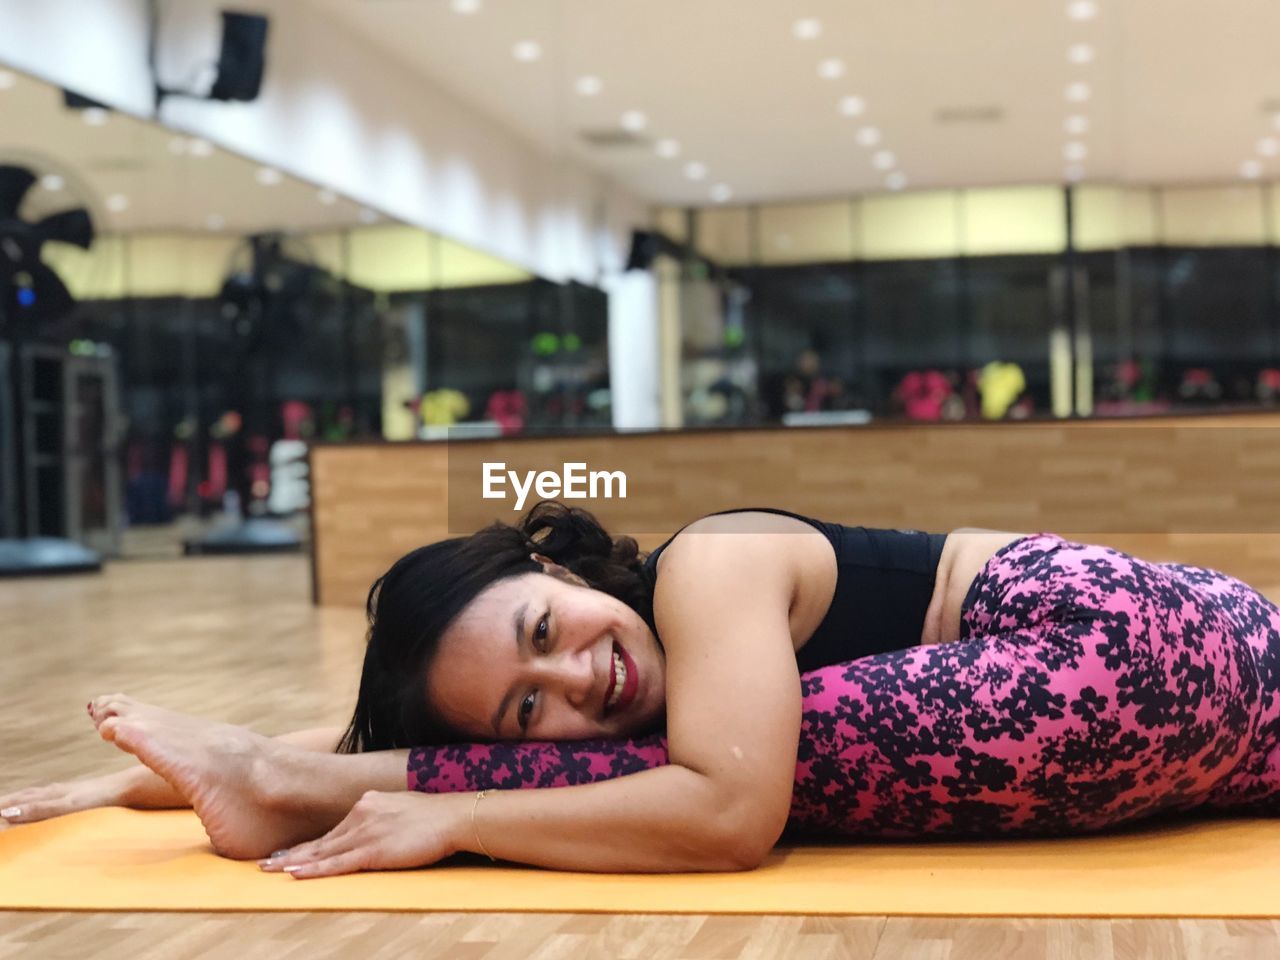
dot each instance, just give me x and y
(1088, 689)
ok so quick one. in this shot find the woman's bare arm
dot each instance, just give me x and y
(733, 725)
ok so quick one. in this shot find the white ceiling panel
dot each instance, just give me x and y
(963, 92)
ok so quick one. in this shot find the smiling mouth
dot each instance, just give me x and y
(617, 679)
(624, 678)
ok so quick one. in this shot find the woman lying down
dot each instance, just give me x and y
(544, 694)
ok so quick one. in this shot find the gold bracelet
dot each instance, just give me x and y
(476, 830)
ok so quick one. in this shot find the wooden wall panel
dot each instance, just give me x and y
(1159, 487)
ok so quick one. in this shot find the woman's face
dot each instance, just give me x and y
(538, 657)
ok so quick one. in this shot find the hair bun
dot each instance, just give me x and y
(566, 534)
(574, 538)
(626, 552)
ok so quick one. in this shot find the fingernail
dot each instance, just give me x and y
(277, 855)
(296, 866)
(8, 813)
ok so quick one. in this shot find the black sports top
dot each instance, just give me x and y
(884, 583)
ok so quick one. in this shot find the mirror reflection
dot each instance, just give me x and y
(179, 321)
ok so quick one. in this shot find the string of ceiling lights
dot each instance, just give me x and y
(854, 107)
(1266, 147)
(632, 120)
(1080, 55)
(635, 121)
(179, 146)
(200, 148)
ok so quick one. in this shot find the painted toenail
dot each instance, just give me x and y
(8, 813)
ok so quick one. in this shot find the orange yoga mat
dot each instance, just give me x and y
(130, 860)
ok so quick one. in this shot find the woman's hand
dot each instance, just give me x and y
(383, 831)
(136, 787)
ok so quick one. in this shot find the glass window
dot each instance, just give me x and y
(912, 323)
(802, 324)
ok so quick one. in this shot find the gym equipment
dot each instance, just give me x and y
(59, 479)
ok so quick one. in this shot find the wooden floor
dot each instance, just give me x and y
(237, 639)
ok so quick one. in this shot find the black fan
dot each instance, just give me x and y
(29, 288)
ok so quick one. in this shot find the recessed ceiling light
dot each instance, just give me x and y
(1082, 9)
(52, 182)
(327, 197)
(117, 203)
(852, 106)
(1073, 172)
(667, 148)
(721, 193)
(465, 6)
(831, 68)
(1080, 53)
(868, 136)
(589, 85)
(368, 215)
(807, 28)
(94, 116)
(1251, 169)
(1076, 124)
(199, 148)
(695, 170)
(896, 180)
(1075, 150)
(1269, 146)
(634, 121)
(883, 160)
(1077, 92)
(526, 51)
(215, 221)
(268, 176)
(7, 79)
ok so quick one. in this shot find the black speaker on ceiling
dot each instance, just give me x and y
(645, 246)
(78, 101)
(648, 245)
(243, 57)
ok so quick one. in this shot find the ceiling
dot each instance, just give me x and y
(963, 92)
(135, 176)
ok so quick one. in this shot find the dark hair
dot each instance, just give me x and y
(412, 604)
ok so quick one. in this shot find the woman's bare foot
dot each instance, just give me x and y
(237, 782)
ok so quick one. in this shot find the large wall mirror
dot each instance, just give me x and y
(178, 322)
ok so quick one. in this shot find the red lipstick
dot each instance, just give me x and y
(632, 682)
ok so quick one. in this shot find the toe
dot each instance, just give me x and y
(99, 708)
(126, 734)
(109, 728)
(123, 703)
(110, 705)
